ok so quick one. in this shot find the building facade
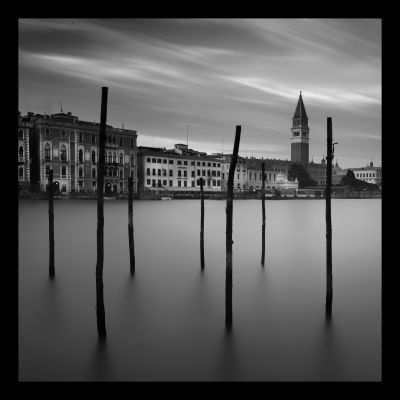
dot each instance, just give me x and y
(70, 148)
(178, 169)
(369, 174)
(24, 162)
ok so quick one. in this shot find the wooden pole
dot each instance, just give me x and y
(202, 224)
(100, 312)
(229, 242)
(263, 214)
(329, 292)
(130, 226)
(51, 226)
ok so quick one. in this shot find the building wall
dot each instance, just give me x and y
(71, 147)
(175, 171)
(24, 128)
(369, 174)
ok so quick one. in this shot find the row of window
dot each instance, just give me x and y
(163, 172)
(160, 183)
(182, 162)
(365, 175)
(109, 138)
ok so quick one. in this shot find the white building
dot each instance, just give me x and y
(369, 174)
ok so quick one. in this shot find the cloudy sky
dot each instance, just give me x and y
(213, 74)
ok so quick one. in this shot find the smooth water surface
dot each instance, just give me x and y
(167, 322)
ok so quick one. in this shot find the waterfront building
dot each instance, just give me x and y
(369, 174)
(240, 177)
(24, 127)
(318, 172)
(177, 169)
(70, 148)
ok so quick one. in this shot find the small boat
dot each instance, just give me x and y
(166, 198)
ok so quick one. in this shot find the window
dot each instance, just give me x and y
(179, 173)
(159, 160)
(170, 183)
(218, 182)
(179, 162)
(192, 174)
(115, 171)
(131, 142)
(192, 183)
(218, 173)
(159, 172)
(192, 163)
(153, 160)
(185, 163)
(209, 164)
(164, 161)
(93, 138)
(185, 173)
(94, 173)
(159, 183)
(94, 185)
(154, 171)
(120, 140)
(198, 172)
(148, 159)
(214, 164)
(214, 182)
(80, 172)
(109, 157)
(132, 160)
(148, 181)
(63, 135)
(164, 172)
(170, 161)
(218, 165)
(148, 171)
(20, 173)
(179, 183)
(153, 182)
(93, 157)
(81, 137)
(114, 156)
(80, 155)
(203, 172)
(121, 174)
(21, 152)
(131, 173)
(47, 170)
(185, 183)
(63, 172)
(198, 163)
(63, 153)
(171, 172)
(121, 158)
(114, 139)
(165, 183)
(20, 134)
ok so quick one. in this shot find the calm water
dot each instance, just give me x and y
(167, 323)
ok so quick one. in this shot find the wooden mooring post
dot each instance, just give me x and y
(263, 214)
(201, 224)
(51, 226)
(100, 312)
(229, 242)
(130, 226)
(329, 158)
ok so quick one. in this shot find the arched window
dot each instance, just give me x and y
(93, 156)
(80, 172)
(106, 171)
(80, 157)
(115, 171)
(63, 135)
(121, 174)
(132, 159)
(121, 158)
(131, 173)
(63, 153)
(21, 152)
(47, 133)
(109, 157)
(20, 173)
(115, 157)
(94, 173)
(20, 134)
(47, 151)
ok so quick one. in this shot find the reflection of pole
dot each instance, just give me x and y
(201, 224)
(263, 214)
(329, 293)
(130, 226)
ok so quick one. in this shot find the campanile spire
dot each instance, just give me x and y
(300, 134)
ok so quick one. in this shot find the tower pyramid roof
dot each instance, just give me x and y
(300, 111)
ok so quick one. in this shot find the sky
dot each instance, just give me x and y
(179, 80)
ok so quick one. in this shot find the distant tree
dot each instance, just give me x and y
(298, 171)
(351, 181)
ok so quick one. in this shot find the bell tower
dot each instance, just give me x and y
(300, 134)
